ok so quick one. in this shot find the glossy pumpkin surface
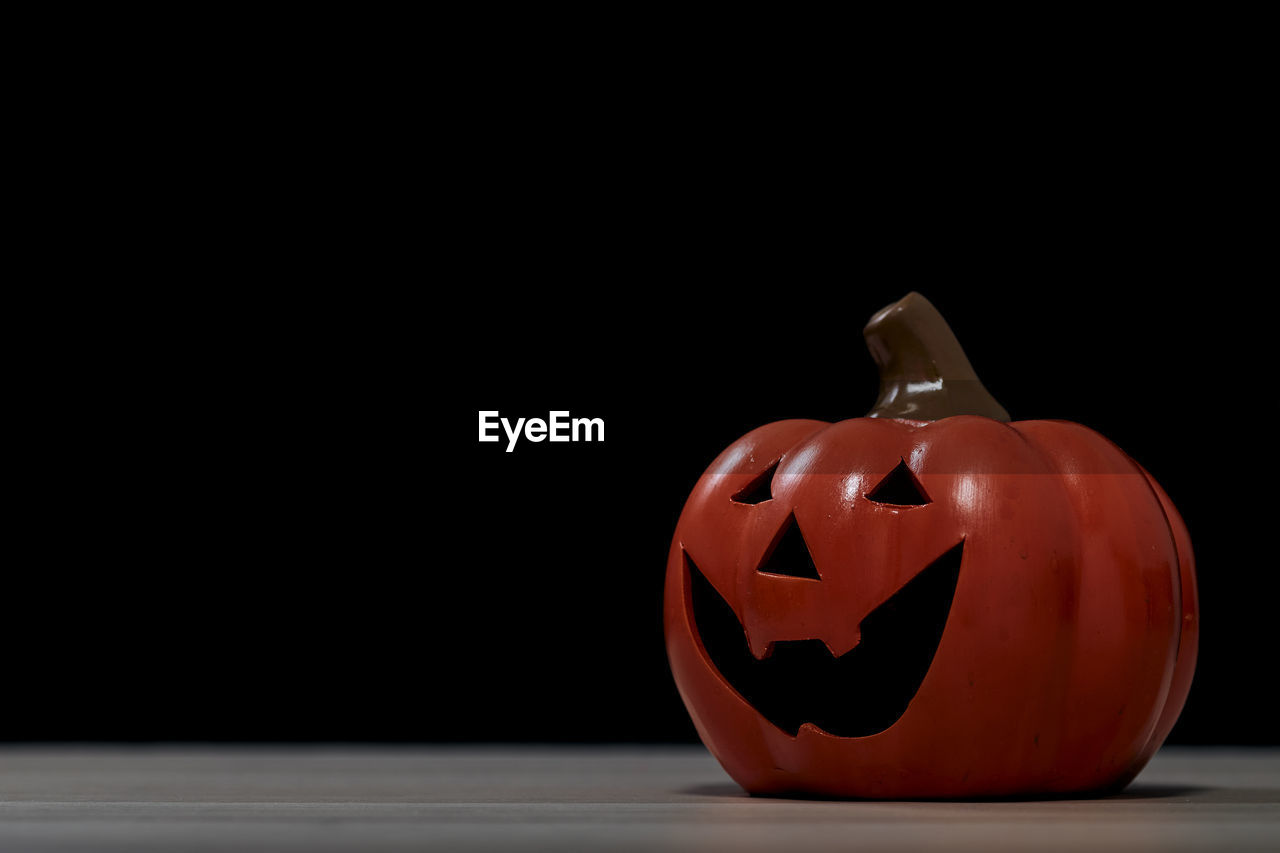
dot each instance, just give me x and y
(901, 608)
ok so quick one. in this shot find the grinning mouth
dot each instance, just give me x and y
(860, 693)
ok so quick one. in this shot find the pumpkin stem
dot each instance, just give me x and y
(924, 373)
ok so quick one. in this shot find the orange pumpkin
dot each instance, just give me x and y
(930, 601)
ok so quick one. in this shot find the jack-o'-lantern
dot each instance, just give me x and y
(930, 601)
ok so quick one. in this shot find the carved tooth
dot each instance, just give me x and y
(760, 652)
(840, 651)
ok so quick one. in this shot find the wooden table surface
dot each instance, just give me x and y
(178, 798)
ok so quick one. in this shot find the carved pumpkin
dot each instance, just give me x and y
(930, 601)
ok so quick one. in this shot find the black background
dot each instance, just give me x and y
(253, 506)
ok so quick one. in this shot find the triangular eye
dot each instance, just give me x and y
(900, 488)
(789, 555)
(759, 490)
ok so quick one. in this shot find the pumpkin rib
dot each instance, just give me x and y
(1189, 628)
(1053, 439)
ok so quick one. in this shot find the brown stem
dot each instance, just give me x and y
(924, 374)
